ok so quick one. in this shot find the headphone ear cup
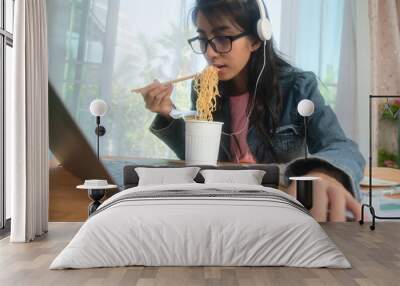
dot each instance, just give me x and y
(264, 29)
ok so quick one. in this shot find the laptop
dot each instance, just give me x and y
(69, 146)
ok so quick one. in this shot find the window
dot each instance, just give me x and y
(6, 43)
(314, 45)
(99, 49)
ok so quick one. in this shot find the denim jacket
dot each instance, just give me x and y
(328, 146)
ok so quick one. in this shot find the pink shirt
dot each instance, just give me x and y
(240, 126)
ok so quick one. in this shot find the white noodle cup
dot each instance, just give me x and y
(202, 141)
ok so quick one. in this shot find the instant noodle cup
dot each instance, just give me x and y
(202, 141)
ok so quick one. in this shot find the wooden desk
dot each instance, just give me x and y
(172, 162)
(382, 173)
(390, 174)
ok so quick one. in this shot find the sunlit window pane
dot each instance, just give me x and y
(104, 59)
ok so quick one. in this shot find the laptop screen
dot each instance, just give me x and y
(69, 145)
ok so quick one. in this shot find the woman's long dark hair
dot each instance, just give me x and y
(268, 102)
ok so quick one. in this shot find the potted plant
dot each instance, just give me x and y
(388, 156)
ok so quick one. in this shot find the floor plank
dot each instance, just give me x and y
(374, 255)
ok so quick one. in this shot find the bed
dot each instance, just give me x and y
(201, 224)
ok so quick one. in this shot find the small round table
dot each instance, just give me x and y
(304, 190)
(96, 194)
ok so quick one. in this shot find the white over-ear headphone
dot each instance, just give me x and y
(264, 27)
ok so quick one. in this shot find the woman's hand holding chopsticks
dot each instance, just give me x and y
(157, 97)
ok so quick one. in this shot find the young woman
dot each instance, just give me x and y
(262, 125)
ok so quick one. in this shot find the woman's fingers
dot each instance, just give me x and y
(150, 97)
(320, 201)
(164, 104)
(330, 193)
(162, 97)
(157, 98)
(145, 90)
(153, 95)
(353, 205)
(337, 202)
(148, 92)
(341, 201)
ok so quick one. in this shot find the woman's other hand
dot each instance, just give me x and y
(330, 195)
(157, 98)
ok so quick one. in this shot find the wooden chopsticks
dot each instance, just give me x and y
(168, 82)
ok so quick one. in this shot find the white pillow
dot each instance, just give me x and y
(248, 177)
(165, 176)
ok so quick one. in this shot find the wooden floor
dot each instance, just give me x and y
(374, 255)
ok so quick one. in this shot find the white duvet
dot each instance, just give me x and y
(203, 231)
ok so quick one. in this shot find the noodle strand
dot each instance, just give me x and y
(206, 87)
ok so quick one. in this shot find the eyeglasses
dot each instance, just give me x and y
(220, 44)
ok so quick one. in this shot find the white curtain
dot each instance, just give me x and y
(336, 48)
(27, 119)
(354, 74)
(289, 29)
(313, 45)
(346, 99)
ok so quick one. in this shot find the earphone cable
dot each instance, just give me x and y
(253, 100)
